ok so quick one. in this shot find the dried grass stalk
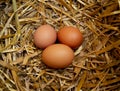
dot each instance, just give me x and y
(96, 66)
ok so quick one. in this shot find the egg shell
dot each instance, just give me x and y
(70, 36)
(44, 36)
(58, 56)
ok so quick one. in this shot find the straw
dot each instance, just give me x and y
(96, 65)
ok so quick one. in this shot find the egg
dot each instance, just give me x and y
(57, 56)
(70, 36)
(44, 36)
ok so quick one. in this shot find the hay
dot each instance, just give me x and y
(96, 66)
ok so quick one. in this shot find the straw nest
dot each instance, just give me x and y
(96, 66)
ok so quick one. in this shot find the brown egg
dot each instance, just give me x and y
(58, 56)
(44, 36)
(70, 36)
